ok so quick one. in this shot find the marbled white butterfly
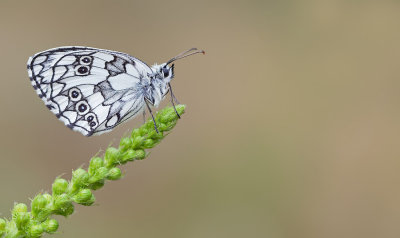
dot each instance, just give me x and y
(93, 90)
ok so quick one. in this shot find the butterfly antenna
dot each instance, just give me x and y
(185, 54)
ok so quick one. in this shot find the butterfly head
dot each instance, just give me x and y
(164, 72)
(162, 76)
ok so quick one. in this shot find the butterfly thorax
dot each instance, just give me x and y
(158, 85)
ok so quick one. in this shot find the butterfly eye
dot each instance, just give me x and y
(165, 72)
(85, 60)
(75, 94)
(82, 107)
(93, 124)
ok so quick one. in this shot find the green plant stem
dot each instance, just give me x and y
(79, 189)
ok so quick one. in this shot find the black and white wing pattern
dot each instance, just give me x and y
(90, 90)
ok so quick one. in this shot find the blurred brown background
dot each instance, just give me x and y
(292, 125)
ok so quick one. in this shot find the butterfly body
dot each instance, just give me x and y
(93, 90)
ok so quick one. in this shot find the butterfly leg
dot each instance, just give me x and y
(172, 100)
(144, 116)
(151, 113)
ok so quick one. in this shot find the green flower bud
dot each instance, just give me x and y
(80, 179)
(167, 115)
(60, 186)
(20, 207)
(148, 127)
(65, 210)
(97, 185)
(2, 226)
(158, 136)
(95, 163)
(20, 215)
(84, 197)
(38, 203)
(180, 108)
(148, 143)
(35, 231)
(51, 226)
(21, 219)
(125, 142)
(48, 197)
(137, 141)
(168, 126)
(80, 176)
(102, 172)
(131, 155)
(98, 175)
(61, 200)
(128, 155)
(111, 156)
(62, 205)
(140, 154)
(135, 133)
(40, 206)
(145, 128)
(68, 210)
(114, 174)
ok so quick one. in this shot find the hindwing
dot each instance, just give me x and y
(91, 90)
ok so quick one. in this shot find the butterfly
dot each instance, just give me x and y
(94, 90)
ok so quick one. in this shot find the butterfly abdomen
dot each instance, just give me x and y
(156, 91)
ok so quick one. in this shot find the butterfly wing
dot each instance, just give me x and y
(91, 90)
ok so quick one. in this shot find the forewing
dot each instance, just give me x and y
(90, 90)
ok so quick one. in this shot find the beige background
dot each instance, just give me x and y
(292, 126)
